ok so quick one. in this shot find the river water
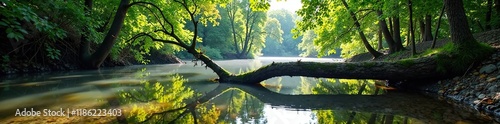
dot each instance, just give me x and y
(184, 93)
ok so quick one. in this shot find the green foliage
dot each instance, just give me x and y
(211, 52)
(273, 30)
(334, 27)
(352, 48)
(52, 53)
(476, 11)
(5, 62)
(307, 46)
(343, 86)
(259, 5)
(247, 28)
(172, 21)
(455, 58)
(156, 97)
(406, 62)
(286, 45)
(18, 13)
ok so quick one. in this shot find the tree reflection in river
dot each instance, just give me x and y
(166, 102)
(331, 101)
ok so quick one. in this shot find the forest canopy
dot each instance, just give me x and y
(89, 33)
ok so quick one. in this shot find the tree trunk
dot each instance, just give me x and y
(422, 29)
(424, 68)
(373, 118)
(397, 34)
(497, 7)
(428, 28)
(96, 59)
(389, 119)
(412, 30)
(84, 43)
(408, 38)
(221, 72)
(367, 45)
(391, 28)
(459, 28)
(379, 39)
(387, 34)
(232, 15)
(437, 28)
(489, 6)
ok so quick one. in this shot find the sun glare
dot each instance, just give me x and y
(290, 5)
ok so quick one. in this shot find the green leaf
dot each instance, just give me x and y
(3, 23)
(11, 35)
(23, 31)
(5, 58)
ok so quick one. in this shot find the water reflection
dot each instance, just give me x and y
(183, 94)
(232, 103)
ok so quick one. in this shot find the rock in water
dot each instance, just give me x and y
(488, 69)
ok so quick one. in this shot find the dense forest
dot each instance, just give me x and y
(84, 34)
(56, 35)
(53, 35)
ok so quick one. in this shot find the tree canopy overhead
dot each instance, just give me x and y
(181, 25)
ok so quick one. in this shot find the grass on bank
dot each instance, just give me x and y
(451, 58)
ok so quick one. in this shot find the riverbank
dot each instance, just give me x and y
(20, 67)
(477, 90)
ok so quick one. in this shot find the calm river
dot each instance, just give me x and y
(183, 93)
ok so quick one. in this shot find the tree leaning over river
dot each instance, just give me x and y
(446, 63)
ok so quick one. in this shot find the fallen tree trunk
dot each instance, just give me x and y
(411, 69)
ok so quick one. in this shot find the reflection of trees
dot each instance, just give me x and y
(305, 86)
(409, 105)
(241, 107)
(172, 104)
(274, 84)
(343, 86)
(155, 102)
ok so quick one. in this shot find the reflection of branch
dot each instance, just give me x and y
(178, 117)
(393, 103)
(164, 112)
(191, 107)
(228, 113)
(193, 113)
(129, 94)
